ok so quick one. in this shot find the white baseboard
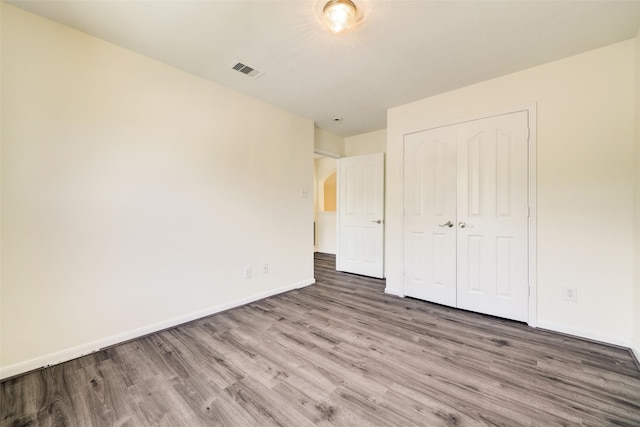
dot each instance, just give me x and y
(92, 347)
(393, 291)
(584, 333)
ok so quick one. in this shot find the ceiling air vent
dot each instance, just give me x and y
(245, 69)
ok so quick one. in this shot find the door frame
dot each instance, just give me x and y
(530, 108)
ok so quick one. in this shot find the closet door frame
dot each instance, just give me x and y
(532, 233)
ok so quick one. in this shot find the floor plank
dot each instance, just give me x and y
(338, 353)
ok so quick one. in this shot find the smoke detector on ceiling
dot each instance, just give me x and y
(246, 70)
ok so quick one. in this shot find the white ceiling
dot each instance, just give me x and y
(401, 52)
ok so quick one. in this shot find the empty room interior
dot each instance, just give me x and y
(320, 213)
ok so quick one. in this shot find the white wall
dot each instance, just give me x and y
(637, 205)
(134, 194)
(366, 143)
(326, 233)
(585, 107)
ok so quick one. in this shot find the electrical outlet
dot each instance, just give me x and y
(571, 294)
(247, 272)
(304, 192)
(265, 268)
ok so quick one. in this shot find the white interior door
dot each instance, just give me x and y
(493, 216)
(430, 215)
(361, 215)
(474, 174)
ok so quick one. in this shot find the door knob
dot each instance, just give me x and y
(377, 221)
(446, 224)
(462, 224)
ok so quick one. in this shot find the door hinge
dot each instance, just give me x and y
(529, 212)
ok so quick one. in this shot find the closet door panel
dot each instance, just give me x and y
(429, 215)
(492, 198)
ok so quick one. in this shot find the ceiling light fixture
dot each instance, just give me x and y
(339, 15)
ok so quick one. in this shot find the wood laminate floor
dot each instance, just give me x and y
(338, 353)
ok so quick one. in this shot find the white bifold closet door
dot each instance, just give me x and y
(466, 215)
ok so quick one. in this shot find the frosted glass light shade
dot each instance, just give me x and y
(339, 15)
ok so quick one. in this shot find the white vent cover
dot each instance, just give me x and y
(245, 69)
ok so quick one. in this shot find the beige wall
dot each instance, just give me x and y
(366, 143)
(329, 198)
(637, 206)
(325, 221)
(336, 146)
(585, 143)
(134, 195)
(328, 144)
(323, 168)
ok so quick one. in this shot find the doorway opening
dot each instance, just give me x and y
(325, 193)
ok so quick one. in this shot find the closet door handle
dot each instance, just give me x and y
(462, 224)
(446, 224)
(377, 221)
